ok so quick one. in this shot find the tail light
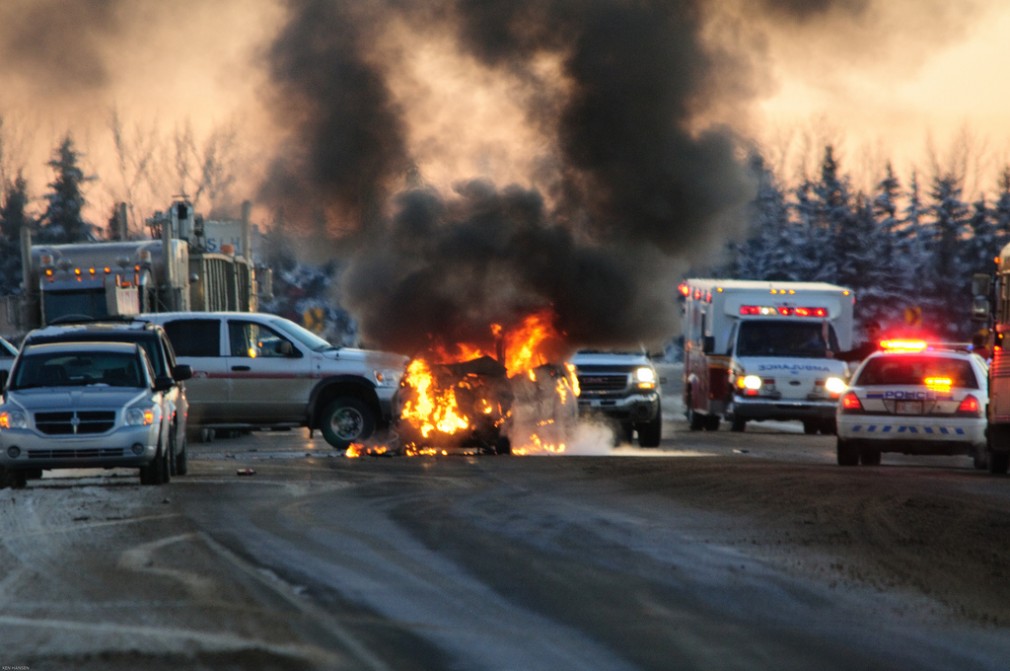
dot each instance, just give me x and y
(850, 403)
(969, 407)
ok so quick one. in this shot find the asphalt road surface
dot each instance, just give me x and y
(716, 551)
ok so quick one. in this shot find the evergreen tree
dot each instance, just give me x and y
(832, 213)
(948, 281)
(62, 220)
(12, 219)
(980, 247)
(767, 253)
(808, 243)
(1001, 213)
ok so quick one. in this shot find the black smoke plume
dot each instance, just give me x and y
(634, 193)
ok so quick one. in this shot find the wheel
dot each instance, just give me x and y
(695, 420)
(712, 423)
(650, 433)
(182, 458)
(979, 458)
(13, 479)
(737, 424)
(848, 454)
(346, 420)
(828, 427)
(869, 456)
(503, 445)
(809, 427)
(157, 471)
(999, 462)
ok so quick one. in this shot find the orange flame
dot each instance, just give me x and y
(436, 405)
(431, 409)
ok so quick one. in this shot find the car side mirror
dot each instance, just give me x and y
(163, 383)
(181, 372)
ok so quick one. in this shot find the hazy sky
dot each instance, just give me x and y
(880, 78)
(493, 157)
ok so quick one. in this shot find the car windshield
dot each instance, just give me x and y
(302, 335)
(62, 369)
(917, 371)
(786, 338)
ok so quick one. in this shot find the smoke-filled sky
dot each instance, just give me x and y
(485, 158)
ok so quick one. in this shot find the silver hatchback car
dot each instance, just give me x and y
(84, 405)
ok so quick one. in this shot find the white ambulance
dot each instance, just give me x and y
(756, 350)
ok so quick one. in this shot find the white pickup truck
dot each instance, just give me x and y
(624, 387)
(257, 370)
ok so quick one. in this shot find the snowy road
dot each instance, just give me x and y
(718, 551)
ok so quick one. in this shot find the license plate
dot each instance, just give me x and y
(908, 408)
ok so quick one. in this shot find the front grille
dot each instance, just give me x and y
(90, 453)
(601, 383)
(71, 422)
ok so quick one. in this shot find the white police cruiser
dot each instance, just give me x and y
(914, 398)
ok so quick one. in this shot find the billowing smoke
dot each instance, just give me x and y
(597, 171)
(625, 195)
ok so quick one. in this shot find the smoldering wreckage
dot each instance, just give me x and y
(510, 402)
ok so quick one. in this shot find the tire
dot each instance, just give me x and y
(182, 459)
(999, 462)
(809, 427)
(980, 458)
(156, 472)
(737, 424)
(503, 445)
(848, 454)
(712, 423)
(869, 456)
(650, 433)
(13, 479)
(695, 420)
(346, 420)
(828, 427)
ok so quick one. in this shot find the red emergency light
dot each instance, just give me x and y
(903, 345)
(783, 311)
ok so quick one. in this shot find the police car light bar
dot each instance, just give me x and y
(903, 345)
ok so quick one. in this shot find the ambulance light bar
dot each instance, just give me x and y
(782, 311)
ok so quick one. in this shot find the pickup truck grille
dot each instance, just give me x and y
(594, 383)
(80, 422)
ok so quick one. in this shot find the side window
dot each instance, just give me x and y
(195, 337)
(249, 339)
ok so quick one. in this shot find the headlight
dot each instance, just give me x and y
(140, 416)
(13, 419)
(387, 378)
(835, 386)
(645, 377)
(751, 382)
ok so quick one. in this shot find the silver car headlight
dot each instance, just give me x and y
(387, 378)
(13, 419)
(141, 416)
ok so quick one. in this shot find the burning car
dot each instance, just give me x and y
(514, 401)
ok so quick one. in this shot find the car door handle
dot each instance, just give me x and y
(241, 368)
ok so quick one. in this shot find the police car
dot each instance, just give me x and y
(914, 398)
